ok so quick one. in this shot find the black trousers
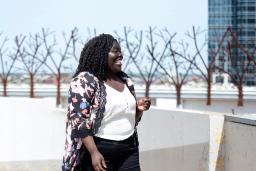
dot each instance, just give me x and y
(119, 155)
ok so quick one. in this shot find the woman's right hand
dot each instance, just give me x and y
(98, 161)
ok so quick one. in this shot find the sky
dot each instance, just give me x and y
(29, 16)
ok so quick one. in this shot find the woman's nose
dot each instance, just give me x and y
(119, 54)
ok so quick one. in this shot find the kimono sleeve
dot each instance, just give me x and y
(81, 95)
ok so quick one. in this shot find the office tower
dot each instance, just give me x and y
(240, 16)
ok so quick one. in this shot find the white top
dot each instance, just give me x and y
(119, 117)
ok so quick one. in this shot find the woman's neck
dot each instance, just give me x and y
(112, 77)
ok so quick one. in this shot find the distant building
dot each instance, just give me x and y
(221, 78)
(240, 16)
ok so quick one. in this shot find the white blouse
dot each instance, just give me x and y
(119, 117)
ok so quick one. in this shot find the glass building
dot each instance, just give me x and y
(240, 16)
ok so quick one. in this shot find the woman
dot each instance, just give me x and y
(103, 112)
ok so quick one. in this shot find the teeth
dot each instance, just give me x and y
(118, 62)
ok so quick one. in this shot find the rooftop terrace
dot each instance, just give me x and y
(32, 132)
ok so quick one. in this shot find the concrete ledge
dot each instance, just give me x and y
(242, 119)
(239, 144)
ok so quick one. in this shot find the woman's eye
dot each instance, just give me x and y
(116, 51)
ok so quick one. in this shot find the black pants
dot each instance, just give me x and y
(119, 155)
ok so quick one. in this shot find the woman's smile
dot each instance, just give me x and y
(118, 61)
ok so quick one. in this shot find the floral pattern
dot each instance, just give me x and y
(87, 99)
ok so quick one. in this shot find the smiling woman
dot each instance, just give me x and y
(103, 112)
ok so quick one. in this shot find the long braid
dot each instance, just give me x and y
(94, 55)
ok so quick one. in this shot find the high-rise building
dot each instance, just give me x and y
(240, 17)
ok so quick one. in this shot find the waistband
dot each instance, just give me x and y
(130, 140)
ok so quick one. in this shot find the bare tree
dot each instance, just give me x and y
(249, 52)
(177, 68)
(147, 67)
(78, 43)
(75, 40)
(131, 43)
(56, 64)
(201, 64)
(238, 67)
(3, 74)
(8, 61)
(33, 57)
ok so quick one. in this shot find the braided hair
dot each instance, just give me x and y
(94, 56)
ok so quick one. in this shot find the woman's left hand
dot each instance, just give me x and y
(144, 104)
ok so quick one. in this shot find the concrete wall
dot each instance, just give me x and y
(174, 141)
(32, 138)
(185, 140)
(240, 145)
(32, 134)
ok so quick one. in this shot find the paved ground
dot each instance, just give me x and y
(34, 165)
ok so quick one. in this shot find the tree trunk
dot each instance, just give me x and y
(58, 90)
(240, 101)
(31, 76)
(5, 87)
(178, 96)
(209, 87)
(147, 89)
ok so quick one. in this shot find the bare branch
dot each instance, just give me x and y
(19, 40)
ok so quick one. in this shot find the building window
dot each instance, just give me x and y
(251, 21)
(251, 8)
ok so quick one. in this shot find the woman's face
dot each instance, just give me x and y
(115, 59)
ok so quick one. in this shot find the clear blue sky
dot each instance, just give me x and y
(29, 16)
(24, 16)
